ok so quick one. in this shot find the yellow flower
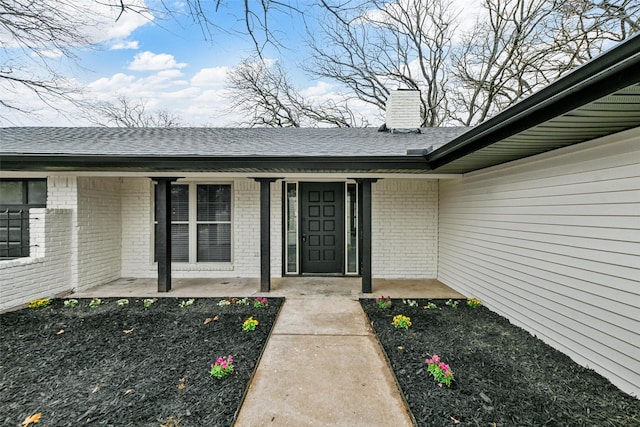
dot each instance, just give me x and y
(43, 302)
(250, 324)
(401, 321)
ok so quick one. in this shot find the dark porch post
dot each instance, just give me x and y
(364, 214)
(163, 234)
(265, 232)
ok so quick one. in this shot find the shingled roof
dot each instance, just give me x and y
(219, 142)
(241, 150)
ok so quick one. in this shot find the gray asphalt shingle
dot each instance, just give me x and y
(219, 142)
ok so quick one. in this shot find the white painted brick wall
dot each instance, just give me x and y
(62, 193)
(48, 271)
(137, 228)
(404, 228)
(99, 231)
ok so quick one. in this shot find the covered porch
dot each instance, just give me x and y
(280, 287)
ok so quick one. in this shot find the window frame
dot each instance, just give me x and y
(24, 206)
(193, 222)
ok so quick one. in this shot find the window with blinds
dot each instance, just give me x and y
(200, 222)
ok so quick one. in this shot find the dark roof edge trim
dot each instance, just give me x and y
(38, 162)
(613, 70)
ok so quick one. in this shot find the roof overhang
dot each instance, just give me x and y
(159, 164)
(598, 99)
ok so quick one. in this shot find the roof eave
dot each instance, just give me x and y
(611, 71)
(58, 163)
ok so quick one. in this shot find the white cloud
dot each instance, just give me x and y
(215, 76)
(321, 88)
(149, 61)
(52, 53)
(124, 44)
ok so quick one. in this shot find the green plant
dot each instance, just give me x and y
(452, 303)
(440, 371)
(401, 322)
(473, 302)
(222, 367)
(122, 302)
(384, 303)
(250, 324)
(410, 302)
(71, 303)
(223, 302)
(430, 306)
(95, 302)
(187, 303)
(148, 302)
(243, 301)
(37, 303)
(260, 302)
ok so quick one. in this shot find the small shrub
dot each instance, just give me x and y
(440, 371)
(187, 303)
(38, 303)
(260, 302)
(95, 302)
(401, 322)
(122, 302)
(384, 303)
(430, 306)
(70, 303)
(250, 324)
(474, 302)
(222, 367)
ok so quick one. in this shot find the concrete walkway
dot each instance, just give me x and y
(322, 365)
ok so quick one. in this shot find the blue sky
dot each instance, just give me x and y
(168, 64)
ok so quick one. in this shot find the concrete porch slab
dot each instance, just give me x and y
(289, 287)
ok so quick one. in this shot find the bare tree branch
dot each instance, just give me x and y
(125, 113)
(262, 91)
(372, 46)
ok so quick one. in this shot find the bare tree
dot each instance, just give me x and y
(263, 91)
(372, 46)
(126, 113)
(255, 18)
(520, 46)
(34, 35)
(32, 32)
(515, 48)
(509, 54)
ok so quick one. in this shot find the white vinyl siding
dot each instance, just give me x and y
(553, 244)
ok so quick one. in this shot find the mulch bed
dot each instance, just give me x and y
(503, 375)
(128, 365)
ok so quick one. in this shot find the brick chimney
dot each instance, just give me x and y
(403, 110)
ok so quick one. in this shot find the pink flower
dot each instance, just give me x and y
(435, 358)
(230, 358)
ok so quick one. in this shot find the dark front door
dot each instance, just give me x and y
(322, 227)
